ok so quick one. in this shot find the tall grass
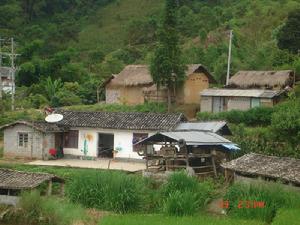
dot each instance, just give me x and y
(107, 190)
(184, 195)
(34, 209)
(165, 220)
(273, 196)
(287, 216)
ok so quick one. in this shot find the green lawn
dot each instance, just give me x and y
(151, 219)
(287, 216)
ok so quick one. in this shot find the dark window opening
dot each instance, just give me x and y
(136, 138)
(71, 139)
(23, 140)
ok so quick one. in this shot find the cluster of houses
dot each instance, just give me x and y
(165, 141)
(246, 89)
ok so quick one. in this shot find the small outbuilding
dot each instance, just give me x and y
(134, 85)
(12, 183)
(200, 152)
(275, 80)
(251, 167)
(219, 100)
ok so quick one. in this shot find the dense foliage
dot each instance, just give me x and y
(84, 42)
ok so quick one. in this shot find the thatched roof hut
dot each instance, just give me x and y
(282, 168)
(139, 75)
(262, 79)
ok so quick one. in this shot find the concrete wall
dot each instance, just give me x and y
(9, 200)
(239, 103)
(206, 104)
(122, 142)
(36, 142)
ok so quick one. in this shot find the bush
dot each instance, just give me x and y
(184, 195)
(273, 196)
(35, 209)
(252, 117)
(107, 190)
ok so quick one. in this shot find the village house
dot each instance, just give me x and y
(96, 134)
(90, 134)
(253, 167)
(5, 79)
(219, 100)
(134, 85)
(274, 80)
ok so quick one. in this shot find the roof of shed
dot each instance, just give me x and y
(190, 137)
(38, 125)
(257, 93)
(134, 75)
(287, 169)
(213, 126)
(122, 120)
(247, 79)
(11, 179)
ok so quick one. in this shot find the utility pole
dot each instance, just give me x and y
(13, 70)
(229, 57)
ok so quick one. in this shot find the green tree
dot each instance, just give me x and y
(167, 67)
(51, 90)
(289, 35)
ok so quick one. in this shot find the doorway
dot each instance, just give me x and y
(105, 145)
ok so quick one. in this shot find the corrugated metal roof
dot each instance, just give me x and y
(190, 137)
(213, 126)
(258, 93)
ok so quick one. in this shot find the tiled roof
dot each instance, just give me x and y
(212, 126)
(287, 169)
(121, 120)
(11, 179)
(39, 125)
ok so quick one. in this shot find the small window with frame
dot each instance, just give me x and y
(23, 140)
(138, 137)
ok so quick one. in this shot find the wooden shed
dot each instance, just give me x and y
(219, 100)
(134, 85)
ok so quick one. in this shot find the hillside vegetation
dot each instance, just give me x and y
(80, 43)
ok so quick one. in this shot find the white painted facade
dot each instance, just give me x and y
(122, 142)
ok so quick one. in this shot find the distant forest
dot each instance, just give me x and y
(69, 47)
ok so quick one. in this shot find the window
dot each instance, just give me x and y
(138, 137)
(23, 140)
(71, 139)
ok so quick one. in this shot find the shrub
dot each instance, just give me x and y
(273, 196)
(48, 211)
(184, 195)
(252, 117)
(107, 190)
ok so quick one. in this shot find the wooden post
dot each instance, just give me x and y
(226, 175)
(147, 166)
(49, 191)
(214, 165)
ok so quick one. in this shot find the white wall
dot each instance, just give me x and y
(122, 142)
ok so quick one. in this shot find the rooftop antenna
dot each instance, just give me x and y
(229, 58)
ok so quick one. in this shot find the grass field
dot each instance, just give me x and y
(163, 220)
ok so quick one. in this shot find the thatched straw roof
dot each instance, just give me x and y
(11, 179)
(262, 79)
(283, 168)
(136, 75)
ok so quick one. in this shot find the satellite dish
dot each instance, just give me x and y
(53, 118)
